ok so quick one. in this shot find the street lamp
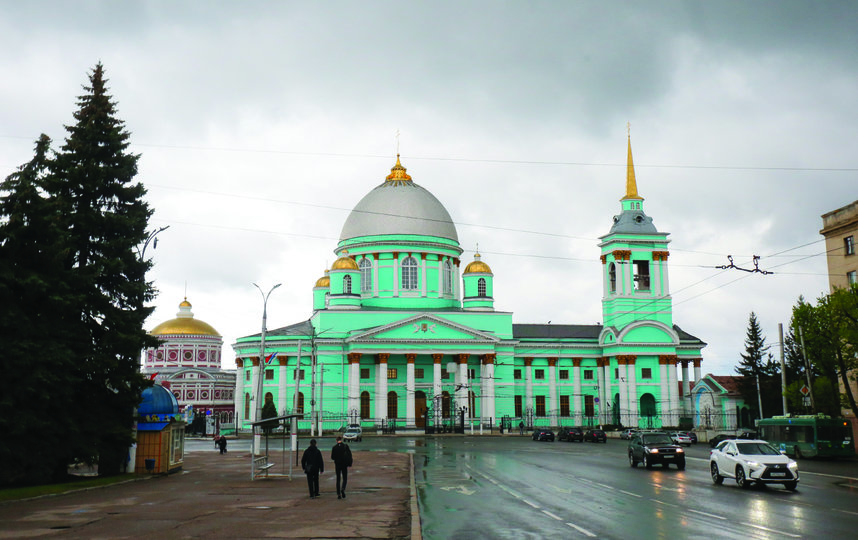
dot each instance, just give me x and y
(150, 238)
(261, 369)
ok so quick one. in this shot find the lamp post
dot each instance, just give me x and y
(261, 369)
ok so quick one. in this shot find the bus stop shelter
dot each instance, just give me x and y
(260, 462)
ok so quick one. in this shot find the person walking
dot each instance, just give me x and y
(313, 465)
(521, 428)
(221, 443)
(341, 454)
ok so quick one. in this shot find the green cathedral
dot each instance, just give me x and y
(404, 335)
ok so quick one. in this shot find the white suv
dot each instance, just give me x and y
(353, 433)
(752, 461)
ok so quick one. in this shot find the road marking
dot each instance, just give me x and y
(666, 503)
(604, 485)
(632, 494)
(561, 490)
(829, 475)
(547, 513)
(530, 503)
(847, 512)
(583, 531)
(463, 490)
(704, 513)
(771, 530)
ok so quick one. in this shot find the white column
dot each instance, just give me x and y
(410, 416)
(624, 391)
(490, 388)
(674, 392)
(423, 284)
(608, 394)
(256, 372)
(465, 386)
(577, 398)
(552, 390)
(440, 277)
(686, 386)
(631, 378)
(281, 384)
(395, 274)
(354, 383)
(381, 393)
(436, 386)
(483, 405)
(664, 399)
(666, 281)
(696, 370)
(528, 385)
(238, 394)
(375, 264)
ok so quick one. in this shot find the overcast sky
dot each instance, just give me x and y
(262, 124)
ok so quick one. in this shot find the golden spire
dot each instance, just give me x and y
(397, 173)
(631, 184)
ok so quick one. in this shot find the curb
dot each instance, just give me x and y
(416, 532)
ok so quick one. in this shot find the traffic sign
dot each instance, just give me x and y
(804, 390)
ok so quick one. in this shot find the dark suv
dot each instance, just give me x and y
(595, 435)
(652, 448)
(570, 434)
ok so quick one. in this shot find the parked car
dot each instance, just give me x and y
(595, 435)
(680, 437)
(543, 434)
(654, 448)
(570, 434)
(748, 435)
(627, 434)
(751, 461)
(714, 441)
(353, 433)
(692, 436)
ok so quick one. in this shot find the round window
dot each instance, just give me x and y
(188, 355)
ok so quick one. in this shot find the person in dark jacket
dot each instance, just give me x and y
(342, 456)
(221, 443)
(313, 465)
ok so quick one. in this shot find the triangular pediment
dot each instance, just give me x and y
(422, 328)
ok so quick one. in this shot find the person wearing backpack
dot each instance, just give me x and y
(313, 465)
(341, 454)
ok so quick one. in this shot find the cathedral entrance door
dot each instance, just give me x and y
(420, 408)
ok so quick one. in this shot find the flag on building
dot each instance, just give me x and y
(270, 358)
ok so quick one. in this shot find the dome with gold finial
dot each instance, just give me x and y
(344, 263)
(399, 206)
(324, 281)
(184, 323)
(477, 266)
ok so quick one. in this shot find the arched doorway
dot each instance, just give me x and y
(364, 405)
(420, 408)
(392, 406)
(647, 410)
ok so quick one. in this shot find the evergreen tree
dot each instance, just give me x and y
(105, 217)
(36, 391)
(758, 364)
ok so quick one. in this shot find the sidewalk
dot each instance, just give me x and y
(213, 497)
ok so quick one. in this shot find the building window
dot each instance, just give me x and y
(299, 374)
(588, 374)
(188, 355)
(247, 375)
(642, 275)
(481, 287)
(539, 373)
(391, 374)
(365, 275)
(444, 374)
(517, 374)
(852, 277)
(392, 405)
(564, 374)
(616, 373)
(409, 274)
(564, 406)
(269, 398)
(364, 404)
(540, 405)
(589, 406)
(612, 276)
(347, 285)
(247, 406)
(646, 373)
(300, 403)
(364, 373)
(518, 407)
(448, 277)
(445, 404)
(472, 374)
(269, 374)
(418, 373)
(849, 245)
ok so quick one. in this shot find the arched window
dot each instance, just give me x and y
(481, 287)
(364, 404)
(247, 406)
(409, 274)
(347, 285)
(392, 405)
(448, 277)
(268, 398)
(365, 275)
(300, 403)
(612, 276)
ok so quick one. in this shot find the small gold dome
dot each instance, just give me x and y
(477, 266)
(184, 323)
(324, 281)
(344, 263)
(397, 173)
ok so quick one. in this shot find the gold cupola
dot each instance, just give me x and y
(477, 266)
(344, 263)
(184, 323)
(398, 173)
(324, 281)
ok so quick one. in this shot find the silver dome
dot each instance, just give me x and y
(399, 208)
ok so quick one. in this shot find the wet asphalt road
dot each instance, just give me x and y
(513, 487)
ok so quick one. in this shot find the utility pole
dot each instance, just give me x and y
(759, 396)
(257, 439)
(783, 368)
(807, 370)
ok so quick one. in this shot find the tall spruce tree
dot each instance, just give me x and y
(36, 392)
(106, 218)
(759, 364)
